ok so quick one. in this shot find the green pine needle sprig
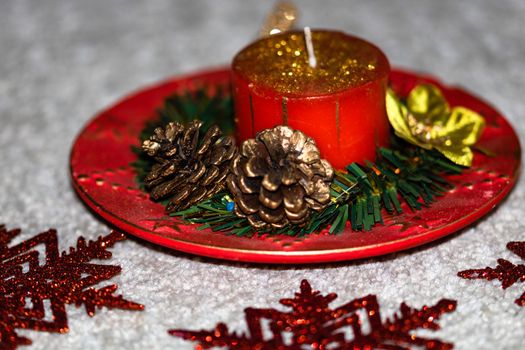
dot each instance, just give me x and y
(359, 195)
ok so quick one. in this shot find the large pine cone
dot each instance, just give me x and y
(278, 178)
(188, 168)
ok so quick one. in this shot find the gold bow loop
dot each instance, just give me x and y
(426, 120)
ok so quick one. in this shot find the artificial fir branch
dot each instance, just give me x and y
(414, 175)
(410, 173)
(210, 108)
(358, 193)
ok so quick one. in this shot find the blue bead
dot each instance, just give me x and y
(230, 206)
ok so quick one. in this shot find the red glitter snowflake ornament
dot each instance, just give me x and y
(312, 324)
(506, 272)
(26, 284)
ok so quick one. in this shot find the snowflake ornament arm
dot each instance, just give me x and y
(312, 323)
(65, 278)
(506, 272)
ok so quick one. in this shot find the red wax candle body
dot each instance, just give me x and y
(340, 103)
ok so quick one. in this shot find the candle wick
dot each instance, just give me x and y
(312, 60)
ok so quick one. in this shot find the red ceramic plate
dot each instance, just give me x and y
(104, 179)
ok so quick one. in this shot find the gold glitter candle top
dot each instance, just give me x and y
(280, 63)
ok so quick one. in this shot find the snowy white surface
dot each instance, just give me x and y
(62, 61)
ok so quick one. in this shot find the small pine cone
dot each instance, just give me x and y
(188, 168)
(278, 178)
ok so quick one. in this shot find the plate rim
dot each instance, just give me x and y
(284, 256)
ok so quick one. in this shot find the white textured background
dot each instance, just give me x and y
(62, 61)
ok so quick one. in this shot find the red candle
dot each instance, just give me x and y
(340, 102)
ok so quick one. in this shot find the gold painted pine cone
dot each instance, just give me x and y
(188, 168)
(279, 178)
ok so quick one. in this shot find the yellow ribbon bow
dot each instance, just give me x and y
(427, 121)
